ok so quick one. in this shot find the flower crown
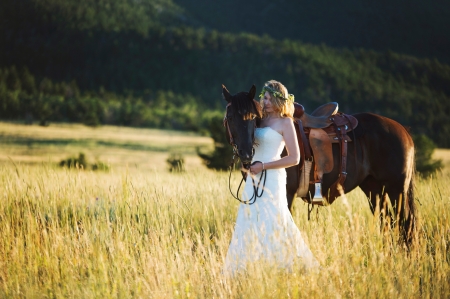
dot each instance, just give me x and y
(276, 94)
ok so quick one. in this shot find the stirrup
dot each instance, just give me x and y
(318, 193)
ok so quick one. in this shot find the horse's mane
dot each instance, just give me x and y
(245, 106)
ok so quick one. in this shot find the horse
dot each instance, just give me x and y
(379, 160)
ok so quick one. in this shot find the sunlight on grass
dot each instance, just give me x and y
(81, 234)
(142, 232)
(444, 155)
(120, 147)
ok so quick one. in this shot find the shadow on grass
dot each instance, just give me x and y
(91, 143)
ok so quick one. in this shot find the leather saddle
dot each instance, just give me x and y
(316, 132)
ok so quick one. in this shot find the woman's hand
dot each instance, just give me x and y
(256, 168)
(243, 169)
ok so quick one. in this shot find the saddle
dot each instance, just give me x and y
(316, 132)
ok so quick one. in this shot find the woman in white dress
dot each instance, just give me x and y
(265, 231)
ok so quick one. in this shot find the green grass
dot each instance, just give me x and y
(142, 232)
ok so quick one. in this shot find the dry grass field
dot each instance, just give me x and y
(119, 147)
(444, 155)
(139, 231)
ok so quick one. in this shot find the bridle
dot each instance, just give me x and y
(230, 136)
(231, 139)
(256, 193)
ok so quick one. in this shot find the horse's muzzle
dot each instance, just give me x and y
(246, 158)
(246, 165)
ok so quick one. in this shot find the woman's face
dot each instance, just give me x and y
(268, 108)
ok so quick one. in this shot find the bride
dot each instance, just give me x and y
(265, 231)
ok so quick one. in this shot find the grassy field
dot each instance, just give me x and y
(119, 147)
(139, 231)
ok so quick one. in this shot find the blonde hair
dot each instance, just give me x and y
(281, 100)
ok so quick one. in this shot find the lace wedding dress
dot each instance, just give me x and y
(265, 231)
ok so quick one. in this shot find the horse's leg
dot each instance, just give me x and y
(291, 185)
(401, 197)
(290, 200)
(374, 190)
(292, 181)
(380, 195)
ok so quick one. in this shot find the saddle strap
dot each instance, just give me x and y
(305, 150)
(303, 144)
(338, 186)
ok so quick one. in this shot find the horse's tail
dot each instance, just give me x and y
(409, 219)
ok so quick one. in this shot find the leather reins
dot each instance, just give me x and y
(255, 195)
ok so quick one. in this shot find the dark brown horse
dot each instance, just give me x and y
(380, 159)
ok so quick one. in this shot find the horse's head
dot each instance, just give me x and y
(240, 121)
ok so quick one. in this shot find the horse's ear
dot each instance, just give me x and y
(252, 91)
(226, 94)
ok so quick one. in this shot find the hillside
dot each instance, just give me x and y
(125, 59)
(418, 28)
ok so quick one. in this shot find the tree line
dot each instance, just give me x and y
(129, 69)
(22, 97)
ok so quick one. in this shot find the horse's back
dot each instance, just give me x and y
(386, 146)
(382, 132)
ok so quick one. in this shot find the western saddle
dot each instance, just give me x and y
(316, 132)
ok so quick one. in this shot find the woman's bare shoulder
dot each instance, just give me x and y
(284, 124)
(286, 121)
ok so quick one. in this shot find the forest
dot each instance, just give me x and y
(161, 63)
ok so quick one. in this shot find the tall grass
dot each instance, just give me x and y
(152, 234)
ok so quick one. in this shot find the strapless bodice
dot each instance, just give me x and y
(269, 144)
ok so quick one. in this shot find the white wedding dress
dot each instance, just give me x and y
(265, 231)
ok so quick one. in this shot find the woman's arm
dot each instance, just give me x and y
(293, 152)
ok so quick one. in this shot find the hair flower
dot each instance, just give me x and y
(275, 93)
